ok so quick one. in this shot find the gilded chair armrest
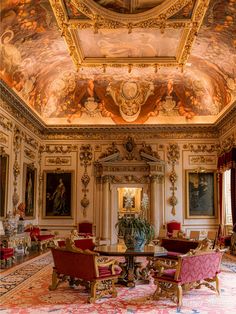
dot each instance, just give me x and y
(161, 265)
(104, 262)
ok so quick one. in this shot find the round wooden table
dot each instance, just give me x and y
(132, 271)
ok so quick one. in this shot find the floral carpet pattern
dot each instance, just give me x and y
(32, 296)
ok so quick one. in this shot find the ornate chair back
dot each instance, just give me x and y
(173, 225)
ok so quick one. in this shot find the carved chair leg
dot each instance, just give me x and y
(114, 291)
(93, 292)
(179, 296)
(55, 281)
(217, 284)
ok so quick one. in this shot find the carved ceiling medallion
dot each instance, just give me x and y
(129, 33)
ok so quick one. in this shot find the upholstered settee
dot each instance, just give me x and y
(40, 238)
(193, 270)
(87, 268)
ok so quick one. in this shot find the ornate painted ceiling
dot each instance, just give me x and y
(107, 62)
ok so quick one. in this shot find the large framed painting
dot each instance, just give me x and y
(58, 194)
(3, 182)
(201, 194)
(29, 190)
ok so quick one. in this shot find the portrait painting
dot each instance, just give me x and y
(3, 183)
(129, 199)
(29, 190)
(58, 194)
(201, 194)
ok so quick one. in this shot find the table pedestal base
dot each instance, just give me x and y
(133, 272)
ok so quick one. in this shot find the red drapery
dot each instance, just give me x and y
(225, 162)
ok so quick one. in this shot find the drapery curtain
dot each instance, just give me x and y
(225, 162)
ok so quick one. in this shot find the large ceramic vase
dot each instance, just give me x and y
(134, 241)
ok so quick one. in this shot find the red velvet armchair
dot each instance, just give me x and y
(171, 226)
(85, 229)
(41, 240)
(86, 268)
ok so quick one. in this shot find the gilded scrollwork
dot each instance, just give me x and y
(98, 18)
(173, 155)
(85, 160)
(201, 148)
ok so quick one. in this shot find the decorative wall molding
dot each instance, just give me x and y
(201, 148)
(62, 161)
(173, 156)
(29, 153)
(31, 141)
(6, 123)
(227, 144)
(59, 149)
(3, 138)
(202, 160)
(17, 140)
(85, 160)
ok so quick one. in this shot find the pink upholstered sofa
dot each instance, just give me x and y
(192, 271)
(87, 268)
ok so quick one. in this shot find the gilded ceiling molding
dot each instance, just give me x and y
(85, 160)
(18, 109)
(201, 148)
(99, 17)
(162, 11)
(173, 156)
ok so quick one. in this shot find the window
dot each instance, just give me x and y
(227, 197)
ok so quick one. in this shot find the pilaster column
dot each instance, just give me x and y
(153, 202)
(105, 208)
(156, 202)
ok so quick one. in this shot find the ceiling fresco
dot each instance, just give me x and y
(37, 65)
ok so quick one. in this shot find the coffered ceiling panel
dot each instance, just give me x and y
(111, 62)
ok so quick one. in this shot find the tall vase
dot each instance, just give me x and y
(134, 241)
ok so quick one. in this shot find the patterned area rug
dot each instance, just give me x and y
(25, 290)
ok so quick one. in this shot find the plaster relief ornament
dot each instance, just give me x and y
(130, 96)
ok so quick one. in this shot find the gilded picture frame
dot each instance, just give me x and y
(57, 194)
(29, 190)
(201, 194)
(135, 194)
(4, 170)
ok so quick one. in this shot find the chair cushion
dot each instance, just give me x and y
(105, 271)
(6, 253)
